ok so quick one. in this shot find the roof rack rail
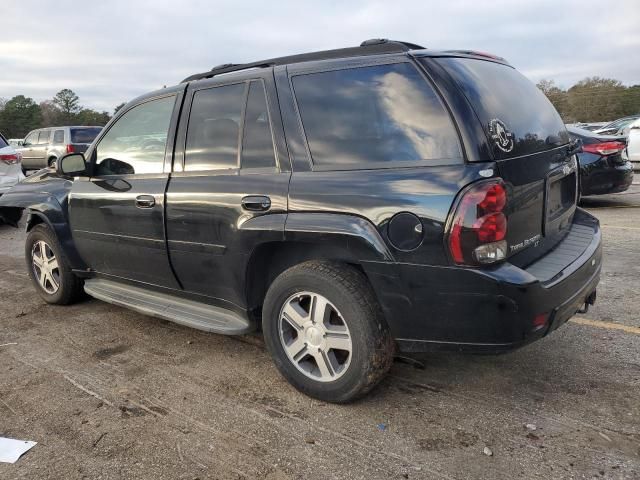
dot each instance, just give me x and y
(368, 47)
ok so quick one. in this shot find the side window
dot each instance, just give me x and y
(58, 136)
(214, 128)
(32, 138)
(257, 142)
(136, 142)
(367, 117)
(43, 136)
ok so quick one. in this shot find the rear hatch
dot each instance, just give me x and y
(81, 137)
(532, 149)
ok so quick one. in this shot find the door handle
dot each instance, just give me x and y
(256, 203)
(145, 201)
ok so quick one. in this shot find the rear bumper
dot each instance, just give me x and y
(487, 310)
(607, 180)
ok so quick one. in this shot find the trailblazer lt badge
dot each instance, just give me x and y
(502, 137)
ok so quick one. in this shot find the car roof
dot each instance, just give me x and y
(376, 46)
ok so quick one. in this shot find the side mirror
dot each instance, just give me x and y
(25, 144)
(72, 165)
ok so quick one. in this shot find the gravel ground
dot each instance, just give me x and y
(111, 394)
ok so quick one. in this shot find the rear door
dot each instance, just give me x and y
(531, 145)
(230, 181)
(117, 215)
(40, 149)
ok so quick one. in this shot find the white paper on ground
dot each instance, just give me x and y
(11, 450)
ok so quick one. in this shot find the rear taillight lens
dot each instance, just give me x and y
(11, 158)
(604, 148)
(478, 226)
(71, 149)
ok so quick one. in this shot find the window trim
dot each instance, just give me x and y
(352, 65)
(273, 139)
(96, 143)
(217, 171)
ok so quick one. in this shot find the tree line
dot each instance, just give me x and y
(19, 115)
(594, 99)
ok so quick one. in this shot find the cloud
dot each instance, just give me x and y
(112, 51)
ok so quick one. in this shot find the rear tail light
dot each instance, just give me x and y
(478, 225)
(604, 148)
(11, 158)
(71, 149)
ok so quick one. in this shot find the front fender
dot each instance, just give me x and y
(44, 197)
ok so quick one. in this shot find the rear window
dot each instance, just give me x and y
(517, 117)
(371, 117)
(84, 135)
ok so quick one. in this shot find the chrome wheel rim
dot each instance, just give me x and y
(315, 336)
(46, 270)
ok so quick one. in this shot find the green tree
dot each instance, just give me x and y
(558, 97)
(19, 115)
(86, 116)
(595, 99)
(69, 104)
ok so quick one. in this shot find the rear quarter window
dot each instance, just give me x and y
(374, 117)
(499, 92)
(84, 135)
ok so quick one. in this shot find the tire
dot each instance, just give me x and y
(61, 286)
(51, 162)
(351, 311)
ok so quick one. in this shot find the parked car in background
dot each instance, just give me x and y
(617, 127)
(15, 142)
(10, 167)
(603, 166)
(633, 142)
(42, 147)
(590, 126)
(352, 202)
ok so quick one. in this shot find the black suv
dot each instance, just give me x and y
(350, 203)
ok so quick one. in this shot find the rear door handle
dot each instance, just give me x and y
(256, 203)
(145, 201)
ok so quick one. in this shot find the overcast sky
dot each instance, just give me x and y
(113, 51)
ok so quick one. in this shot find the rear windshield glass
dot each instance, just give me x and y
(2, 142)
(84, 135)
(515, 114)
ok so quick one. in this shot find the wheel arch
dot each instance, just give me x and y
(346, 239)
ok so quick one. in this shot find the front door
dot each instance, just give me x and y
(228, 192)
(117, 215)
(29, 150)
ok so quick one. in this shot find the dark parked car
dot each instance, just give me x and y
(350, 202)
(603, 166)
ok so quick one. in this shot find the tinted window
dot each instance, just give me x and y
(43, 136)
(3, 143)
(369, 116)
(214, 128)
(136, 142)
(257, 144)
(499, 92)
(84, 135)
(58, 136)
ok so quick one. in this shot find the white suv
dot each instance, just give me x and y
(41, 148)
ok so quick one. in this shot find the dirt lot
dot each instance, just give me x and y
(109, 393)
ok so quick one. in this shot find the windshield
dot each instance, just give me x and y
(516, 116)
(84, 135)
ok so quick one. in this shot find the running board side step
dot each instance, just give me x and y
(169, 307)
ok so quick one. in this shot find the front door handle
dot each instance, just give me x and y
(145, 201)
(256, 203)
